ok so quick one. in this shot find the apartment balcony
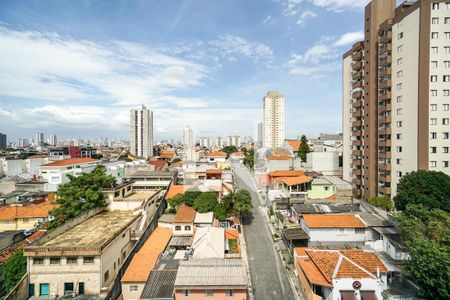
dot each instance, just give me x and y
(357, 133)
(357, 95)
(357, 56)
(356, 192)
(357, 46)
(384, 72)
(357, 143)
(385, 96)
(384, 155)
(384, 108)
(387, 37)
(357, 123)
(356, 181)
(384, 167)
(357, 114)
(385, 84)
(385, 47)
(357, 172)
(357, 163)
(357, 66)
(357, 104)
(357, 84)
(357, 152)
(385, 190)
(357, 75)
(384, 178)
(386, 143)
(384, 120)
(387, 60)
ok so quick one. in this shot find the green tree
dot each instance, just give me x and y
(176, 201)
(383, 202)
(428, 188)
(229, 149)
(220, 212)
(14, 269)
(243, 203)
(206, 202)
(80, 194)
(249, 159)
(190, 196)
(303, 149)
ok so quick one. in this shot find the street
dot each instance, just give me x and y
(268, 275)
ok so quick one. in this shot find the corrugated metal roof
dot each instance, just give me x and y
(160, 285)
(213, 272)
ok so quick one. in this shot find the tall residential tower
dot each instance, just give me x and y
(396, 95)
(141, 132)
(273, 120)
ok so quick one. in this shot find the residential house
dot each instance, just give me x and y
(324, 162)
(340, 274)
(212, 278)
(160, 283)
(292, 146)
(216, 156)
(160, 165)
(209, 242)
(143, 262)
(322, 188)
(335, 229)
(183, 224)
(296, 188)
(23, 217)
(280, 162)
(204, 219)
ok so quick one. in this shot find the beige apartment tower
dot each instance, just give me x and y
(141, 132)
(396, 96)
(273, 120)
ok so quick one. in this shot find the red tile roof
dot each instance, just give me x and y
(70, 162)
(231, 234)
(333, 221)
(290, 181)
(213, 171)
(286, 173)
(12, 212)
(185, 214)
(280, 157)
(295, 144)
(175, 189)
(160, 165)
(216, 154)
(39, 156)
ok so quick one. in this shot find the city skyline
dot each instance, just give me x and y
(180, 71)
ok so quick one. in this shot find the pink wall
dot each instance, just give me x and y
(218, 295)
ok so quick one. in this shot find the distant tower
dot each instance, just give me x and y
(188, 137)
(273, 120)
(260, 134)
(141, 132)
(39, 139)
(52, 139)
(3, 140)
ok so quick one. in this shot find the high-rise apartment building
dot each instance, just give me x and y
(52, 139)
(22, 143)
(141, 132)
(188, 137)
(219, 142)
(234, 140)
(260, 134)
(39, 139)
(273, 120)
(3, 141)
(396, 95)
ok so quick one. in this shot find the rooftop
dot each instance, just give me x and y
(140, 196)
(317, 208)
(286, 173)
(216, 154)
(160, 285)
(153, 174)
(185, 214)
(333, 221)
(213, 272)
(290, 181)
(295, 144)
(280, 157)
(205, 218)
(70, 162)
(94, 231)
(175, 189)
(12, 212)
(209, 242)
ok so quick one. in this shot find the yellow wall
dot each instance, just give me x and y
(18, 224)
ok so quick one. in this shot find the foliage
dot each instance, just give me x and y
(175, 160)
(383, 202)
(220, 212)
(14, 269)
(428, 188)
(80, 194)
(176, 201)
(243, 149)
(124, 158)
(303, 149)
(249, 159)
(232, 244)
(229, 149)
(426, 233)
(190, 196)
(206, 202)
(243, 203)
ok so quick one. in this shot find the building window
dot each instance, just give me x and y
(399, 61)
(446, 78)
(447, 50)
(445, 163)
(447, 64)
(433, 135)
(433, 121)
(400, 35)
(447, 20)
(399, 111)
(360, 230)
(434, 50)
(399, 136)
(434, 35)
(399, 98)
(55, 260)
(209, 293)
(38, 261)
(445, 107)
(435, 21)
(447, 35)
(341, 230)
(399, 123)
(444, 149)
(399, 149)
(445, 121)
(186, 293)
(433, 149)
(399, 86)
(72, 260)
(445, 135)
(433, 107)
(433, 78)
(133, 288)
(106, 276)
(177, 228)
(229, 293)
(434, 64)
(446, 93)
(400, 49)
(433, 93)
(435, 6)
(433, 164)
(187, 227)
(89, 260)
(399, 161)
(399, 174)
(400, 74)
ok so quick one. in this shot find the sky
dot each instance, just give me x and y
(75, 68)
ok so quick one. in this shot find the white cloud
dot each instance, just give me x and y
(307, 14)
(47, 66)
(349, 38)
(232, 45)
(340, 5)
(269, 19)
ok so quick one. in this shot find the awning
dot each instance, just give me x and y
(368, 295)
(348, 295)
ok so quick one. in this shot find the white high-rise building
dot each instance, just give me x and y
(273, 120)
(52, 139)
(234, 140)
(39, 139)
(188, 137)
(219, 142)
(141, 132)
(260, 134)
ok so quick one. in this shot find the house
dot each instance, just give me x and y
(176, 189)
(135, 277)
(239, 155)
(166, 221)
(334, 229)
(296, 188)
(151, 180)
(83, 255)
(284, 173)
(160, 165)
(216, 156)
(183, 224)
(167, 155)
(204, 219)
(324, 162)
(340, 274)
(160, 283)
(212, 278)
(209, 243)
(321, 188)
(214, 174)
(292, 146)
(23, 217)
(280, 162)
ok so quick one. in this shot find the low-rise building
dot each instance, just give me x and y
(151, 180)
(183, 224)
(212, 278)
(216, 156)
(209, 242)
(324, 162)
(23, 217)
(160, 283)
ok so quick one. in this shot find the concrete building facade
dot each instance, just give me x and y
(141, 132)
(273, 120)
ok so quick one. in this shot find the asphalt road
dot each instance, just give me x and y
(268, 275)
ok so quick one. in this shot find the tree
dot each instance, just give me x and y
(383, 202)
(426, 234)
(206, 202)
(176, 201)
(428, 188)
(220, 212)
(80, 194)
(243, 203)
(14, 269)
(229, 149)
(303, 149)
(190, 196)
(249, 159)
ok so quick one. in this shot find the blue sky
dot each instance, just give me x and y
(75, 68)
